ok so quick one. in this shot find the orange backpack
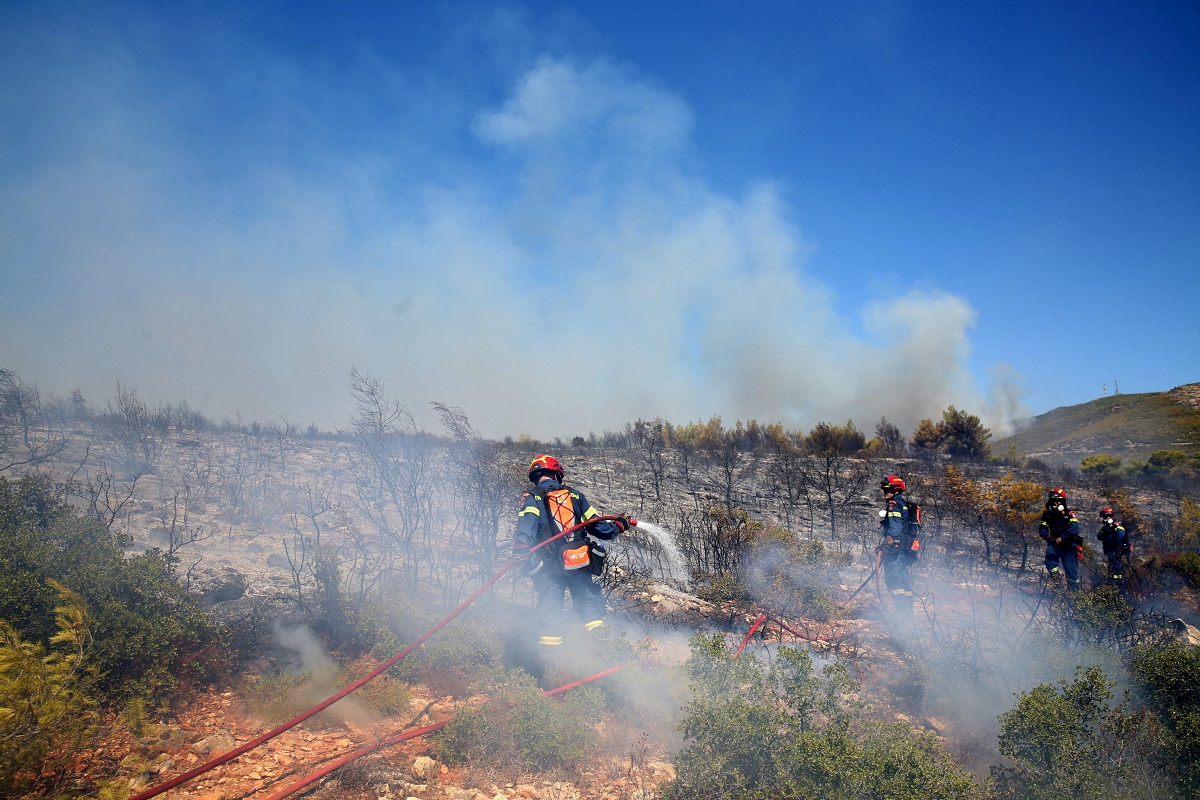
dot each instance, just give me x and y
(562, 510)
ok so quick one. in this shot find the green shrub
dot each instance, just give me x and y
(1100, 464)
(281, 696)
(1187, 565)
(150, 638)
(792, 576)
(1185, 529)
(790, 731)
(1169, 677)
(1166, 460)
(1101, 613)
(451, 661)
(522, 729)
(47, 713)
(723, 588)
(1111, 751)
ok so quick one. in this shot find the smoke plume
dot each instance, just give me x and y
(542, 252)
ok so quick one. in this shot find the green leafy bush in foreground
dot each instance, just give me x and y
(1066, 740)
(759, 732)
(520, 728)
(149, 637)
(1169, 677)
(46, 712)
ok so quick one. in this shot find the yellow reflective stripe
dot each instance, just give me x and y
(591, 626)
(591, 512)
(550, 640)
(894, 514)
(530, 510)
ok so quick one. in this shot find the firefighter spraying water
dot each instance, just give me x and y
(568, 564)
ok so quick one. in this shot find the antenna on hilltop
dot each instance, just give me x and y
(1106, 390)
(1115, 389)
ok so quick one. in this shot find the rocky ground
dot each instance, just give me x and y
(218, 722)
(221, 720)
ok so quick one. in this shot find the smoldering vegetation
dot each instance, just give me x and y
(322, 552)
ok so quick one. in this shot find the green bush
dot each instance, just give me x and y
(451, 661)
(1100, 464)
(723, 588)
(520, 728)
(46, 709)
(149, 636)
(278, 697)
(1101, 613)
(1066, 740)
(788, 731)
(792, 577)
(1187, 565)
(1165, 460)
(1169, 678)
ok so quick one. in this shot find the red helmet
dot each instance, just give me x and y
(892, 483)
(1106, 512)
(1058, 494)
(543, 464)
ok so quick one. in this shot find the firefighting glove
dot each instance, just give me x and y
(623, 523)
(528, 564)
(531, 565)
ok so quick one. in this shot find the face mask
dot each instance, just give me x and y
(1060, 508)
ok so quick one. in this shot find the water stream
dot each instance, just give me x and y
(673, 563)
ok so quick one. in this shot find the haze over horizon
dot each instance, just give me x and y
(564, 218)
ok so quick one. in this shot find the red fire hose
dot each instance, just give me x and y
(154, 791)
(340, 762)
(750, 633)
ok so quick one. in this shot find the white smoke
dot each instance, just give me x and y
(569, 270)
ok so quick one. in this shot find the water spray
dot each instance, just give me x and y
(676, 563)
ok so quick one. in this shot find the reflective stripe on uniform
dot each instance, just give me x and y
(591, 512)
(550, 641)
(904, 592)
(591, 626)
(530, 510)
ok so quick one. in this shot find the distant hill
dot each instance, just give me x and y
(1129, 426)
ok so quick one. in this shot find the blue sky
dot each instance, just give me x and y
(564, 217)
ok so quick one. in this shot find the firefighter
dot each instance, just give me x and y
(568, 563)
(1115, 542)
(896, 550)
(1059, 529)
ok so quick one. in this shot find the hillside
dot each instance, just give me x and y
(1129, 426)
(320, 555)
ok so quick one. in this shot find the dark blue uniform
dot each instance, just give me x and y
(536, 522)
(1116, 546)
(897, 557)
(1060, 531)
